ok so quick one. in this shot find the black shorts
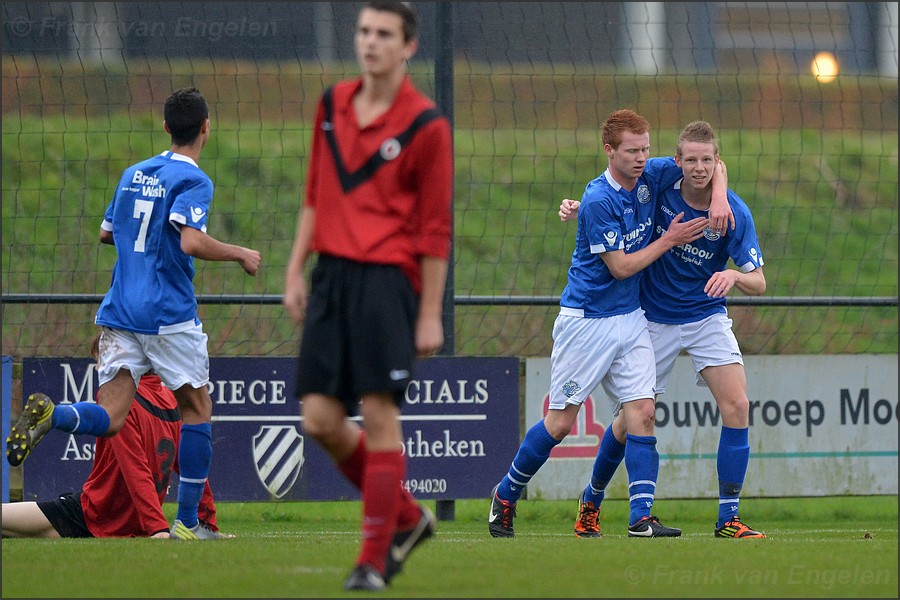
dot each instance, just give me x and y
(66, 515)
(359, 334)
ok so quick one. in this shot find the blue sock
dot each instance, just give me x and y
(81, 417)
(731, 464)
(609, 456)
(194, 457)
(532, 454)
(642, 462)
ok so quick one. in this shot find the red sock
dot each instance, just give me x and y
(353, 469)
(381, 505)
(355, 464)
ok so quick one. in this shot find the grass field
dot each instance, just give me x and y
(817, 548)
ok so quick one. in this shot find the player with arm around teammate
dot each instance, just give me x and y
(600, 336)
(684, 296)
(157, 221)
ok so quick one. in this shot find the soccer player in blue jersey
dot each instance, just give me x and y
(684, 296)
(600, 336)
(157, 221)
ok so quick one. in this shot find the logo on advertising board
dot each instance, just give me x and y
(278, 457)
(812, 420)
(460, 416)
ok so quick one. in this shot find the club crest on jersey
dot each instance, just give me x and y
(390, 149)
(643, 194)
(610, 237)
(711, 234)
(327, 126)
(570, 388)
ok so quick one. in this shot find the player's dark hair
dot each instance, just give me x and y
(405, 11)
(621, 121)
(697, 131)
(185, 112)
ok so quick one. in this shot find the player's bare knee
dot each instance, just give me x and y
(558, 431)
(559, 423)
(644, 417)
(741, 406)
(329, 437)
(194, 404)
(735, 408)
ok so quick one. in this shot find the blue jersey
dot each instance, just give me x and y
(612, 218)
(672, 286)
(152, 288)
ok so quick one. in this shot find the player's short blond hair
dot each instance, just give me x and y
(699, 132)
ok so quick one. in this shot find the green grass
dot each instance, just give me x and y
(817, 548)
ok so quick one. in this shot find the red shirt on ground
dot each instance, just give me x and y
(124, 493)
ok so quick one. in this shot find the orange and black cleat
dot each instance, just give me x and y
(737, 530)
(586, 526)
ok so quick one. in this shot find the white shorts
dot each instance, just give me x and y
(709, 342)
(613, 351)
(178, 358)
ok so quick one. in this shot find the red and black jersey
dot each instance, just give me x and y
(124, 493)
(382, 193)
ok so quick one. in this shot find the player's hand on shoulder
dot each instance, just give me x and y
(720, 214)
